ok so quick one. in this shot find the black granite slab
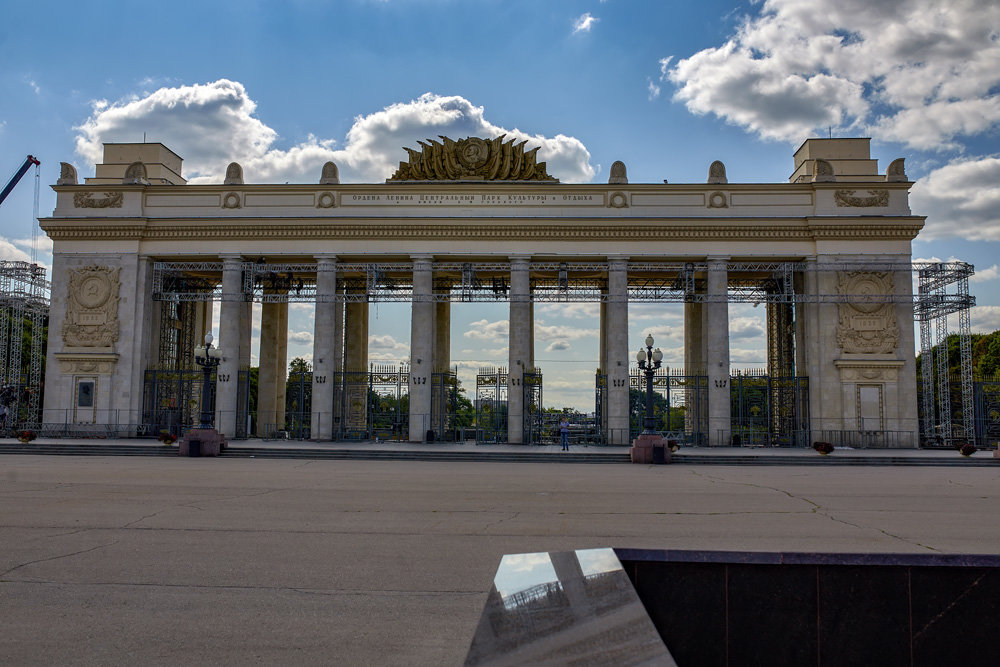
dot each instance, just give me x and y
(752, 608)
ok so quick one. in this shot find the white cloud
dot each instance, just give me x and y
(9, 251)
(653, 89)
(985, 319)
(961, 199)
(561, 332)
(486, 330)
(300, 337)
(745, 327)
(557, 345)
(581, 310)
(213, 124)
(914, 71)
(584, 23)
(387, 342)
(983, 275)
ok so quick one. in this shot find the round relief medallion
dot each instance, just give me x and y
(93, 292)
(473, 152)
(866, 285)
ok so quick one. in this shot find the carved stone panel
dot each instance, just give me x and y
(87, 200)
(92, 307)
(875, 199)
(867, 328)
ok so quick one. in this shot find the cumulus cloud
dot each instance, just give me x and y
(213, 124)
(985, 319)
(561, 332)
(584, 23)
(557, 345)
(486, 330)
(9, 251)
(300, 337)
(913, 71)
(576, 310)
(961, 199)
(983, 275)
(745, 327)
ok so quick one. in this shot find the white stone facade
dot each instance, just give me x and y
(838, 210)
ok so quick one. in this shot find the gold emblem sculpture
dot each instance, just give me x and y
(472, 159)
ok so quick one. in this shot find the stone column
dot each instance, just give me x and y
(442, 337)
(355, 362)
(422, 344)
(230, 342)
(519, 345)
(267, 378)
(717, 337)
(617, 353)
(694, 365)
(338, 362)
(281, 364)
(324, 346)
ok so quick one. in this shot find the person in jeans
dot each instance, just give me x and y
(564, 434)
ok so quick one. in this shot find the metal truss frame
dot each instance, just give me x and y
(931, 309)
(24, 303)
(749, 282)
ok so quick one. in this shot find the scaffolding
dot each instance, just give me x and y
(943, 290)
(24, 311)
(932, 307)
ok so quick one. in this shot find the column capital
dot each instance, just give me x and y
(617, 262)
(422, 261)
(717, 259)
(325, 259)
(521, 261)
(235, 258)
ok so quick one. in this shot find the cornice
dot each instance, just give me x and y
(450, 229)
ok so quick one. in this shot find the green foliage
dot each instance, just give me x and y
(985, 355)
(298, 366)
(671, 419)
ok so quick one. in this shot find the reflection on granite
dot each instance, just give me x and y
(565, 608)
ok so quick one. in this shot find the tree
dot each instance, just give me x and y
(985, 355)
(299, 366)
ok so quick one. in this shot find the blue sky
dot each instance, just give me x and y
(666, 86)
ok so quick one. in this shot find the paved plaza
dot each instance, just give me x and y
(111, 560)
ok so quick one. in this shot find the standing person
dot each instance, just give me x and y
(3, 417)
(564, 434)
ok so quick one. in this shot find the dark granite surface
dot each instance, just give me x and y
(736, 608)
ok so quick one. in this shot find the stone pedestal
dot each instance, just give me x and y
(647, 448)
(201, 441)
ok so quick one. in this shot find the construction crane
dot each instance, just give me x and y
(28, 161)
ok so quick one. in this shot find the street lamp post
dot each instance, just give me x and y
(208, 358)
(649, 360)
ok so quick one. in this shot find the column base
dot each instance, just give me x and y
(650, 448)
(201, 442)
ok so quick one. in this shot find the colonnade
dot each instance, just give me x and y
(340, 344)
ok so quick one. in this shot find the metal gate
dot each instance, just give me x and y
(298, 406)
(444, 405)
(533, 415)
(389, 402)
(769, 411)
(171, 400)
(491, 405)
(350, 402)
(987, 393)
(680, 405)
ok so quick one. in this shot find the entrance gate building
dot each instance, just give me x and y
(141, 259)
